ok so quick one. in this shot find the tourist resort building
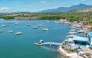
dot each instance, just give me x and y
(79, 40)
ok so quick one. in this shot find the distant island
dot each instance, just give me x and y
(77, 13)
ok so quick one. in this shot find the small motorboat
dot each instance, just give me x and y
(81, 31)
(40, 43)
(35, 27)
(39, 25)
(18, 33)
(28, 24)
(16, 23)
(10, 31)
(71, 33)
(3, 25)
(56, 22)
(45, 29)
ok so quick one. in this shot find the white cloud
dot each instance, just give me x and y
(43, 2)
(2, 9)
(82, 0)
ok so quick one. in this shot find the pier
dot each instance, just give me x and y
(48, 43)
(51, 43)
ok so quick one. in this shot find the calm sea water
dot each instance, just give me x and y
(22, 46)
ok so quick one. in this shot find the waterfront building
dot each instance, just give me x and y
(90, 38)
(80, 40)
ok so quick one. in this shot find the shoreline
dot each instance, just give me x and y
(65, 54)
(61, 55)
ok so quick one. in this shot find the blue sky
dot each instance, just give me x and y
(37, 5)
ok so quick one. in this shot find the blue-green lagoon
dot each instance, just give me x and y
(22, 46)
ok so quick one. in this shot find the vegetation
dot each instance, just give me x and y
(73, 15)
(7, 17)
(72, 49)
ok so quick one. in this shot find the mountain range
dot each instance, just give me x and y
(65, 9)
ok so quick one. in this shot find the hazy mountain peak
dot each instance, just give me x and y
(80, 6)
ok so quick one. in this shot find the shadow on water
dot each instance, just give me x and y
(49, 48)
(52, 48)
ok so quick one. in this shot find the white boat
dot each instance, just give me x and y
(45, 29)
(35, 27)
(16, 23)
(72, 30)
(40, 42)
(18, 33)
(72, 27)
(81, 31)
(10, 31)
(3, 25)
(71, 33)
(28, 24)
(56, 22)
(39, 25)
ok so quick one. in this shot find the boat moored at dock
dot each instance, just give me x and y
(81, 31)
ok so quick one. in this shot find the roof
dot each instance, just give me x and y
(90, 33)
(79, 38)
(87, 26)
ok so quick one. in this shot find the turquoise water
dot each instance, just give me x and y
(22, 46)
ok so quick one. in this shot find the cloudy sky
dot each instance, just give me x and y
(37, 5)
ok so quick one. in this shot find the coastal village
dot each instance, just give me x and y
(78, 42)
